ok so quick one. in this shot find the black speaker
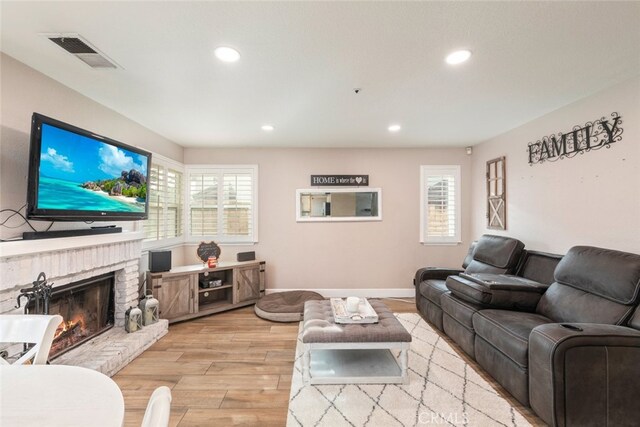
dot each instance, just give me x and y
(246, 256)
(159, 261)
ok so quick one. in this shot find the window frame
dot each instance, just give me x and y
(425, 172)
(178, 240)
(221, 238)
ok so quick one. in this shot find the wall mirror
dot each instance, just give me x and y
(339, 204)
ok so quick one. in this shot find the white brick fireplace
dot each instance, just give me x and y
(72, 259)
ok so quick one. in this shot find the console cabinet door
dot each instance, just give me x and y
(247, 283)
(175, 295)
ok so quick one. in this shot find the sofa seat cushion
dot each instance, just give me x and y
(497, 291)
(460, 310)
(508, 331)
(433, 289)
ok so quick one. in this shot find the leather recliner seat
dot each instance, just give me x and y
(490, 254)
(572, 359)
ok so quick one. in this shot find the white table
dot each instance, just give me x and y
(58, 395)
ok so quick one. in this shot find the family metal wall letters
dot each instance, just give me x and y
(591, 136)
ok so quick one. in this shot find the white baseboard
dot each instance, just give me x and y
(366, 293)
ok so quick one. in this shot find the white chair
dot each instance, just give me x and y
(29, 328)
(158, 408)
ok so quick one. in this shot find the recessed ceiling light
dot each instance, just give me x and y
(458, 57)
(226, 54)
(267, 128)
(394, 128)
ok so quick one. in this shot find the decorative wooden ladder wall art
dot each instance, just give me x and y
(496, 194)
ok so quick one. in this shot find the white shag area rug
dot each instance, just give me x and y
(444, 390)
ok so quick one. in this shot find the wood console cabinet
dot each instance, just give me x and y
(185, 292)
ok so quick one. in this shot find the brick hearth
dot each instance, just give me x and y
(72, 259)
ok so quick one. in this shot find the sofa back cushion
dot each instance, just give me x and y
(538, 266)
(469, 257)
(495, 254)
(613, 275)
(562, 303)
(593, 285)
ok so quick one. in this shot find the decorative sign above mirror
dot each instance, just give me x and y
(340, 180)
(590, 136)
(339, 204)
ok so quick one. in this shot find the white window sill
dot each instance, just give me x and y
(440, 243)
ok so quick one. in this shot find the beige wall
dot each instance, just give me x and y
(591, 199)
(25, 91)
(342, 255)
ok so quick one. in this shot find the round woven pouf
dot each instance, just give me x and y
(284, 306)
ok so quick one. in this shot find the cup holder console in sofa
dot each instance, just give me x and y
(497, 290)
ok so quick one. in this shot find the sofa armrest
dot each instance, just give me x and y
(584, 374)
(435, 273)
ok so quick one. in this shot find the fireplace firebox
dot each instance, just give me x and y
(87, 309)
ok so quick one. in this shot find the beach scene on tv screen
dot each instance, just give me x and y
(81, 173)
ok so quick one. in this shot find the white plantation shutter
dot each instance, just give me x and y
(174, 201)
(237, 196)
(440, 204)
(164, 191)
(152, 224)
(203, 203)
(223, 203)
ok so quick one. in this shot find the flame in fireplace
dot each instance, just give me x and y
(68, 334)
(69, 325)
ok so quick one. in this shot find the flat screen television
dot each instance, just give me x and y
(76, 175)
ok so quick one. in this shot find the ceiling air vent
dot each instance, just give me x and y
(82, 50)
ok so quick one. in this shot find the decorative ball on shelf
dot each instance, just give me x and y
(208, 250)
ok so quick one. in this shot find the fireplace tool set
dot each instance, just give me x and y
(39, 294)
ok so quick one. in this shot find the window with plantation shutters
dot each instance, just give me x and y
(164, 191)
(440, 204)
(237, 202)
(223, 203)
(203, 203)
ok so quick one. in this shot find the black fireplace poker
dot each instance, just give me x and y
(39, 294)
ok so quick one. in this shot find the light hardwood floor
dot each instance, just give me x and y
(228, 369)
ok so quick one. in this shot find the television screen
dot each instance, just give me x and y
(78, 175)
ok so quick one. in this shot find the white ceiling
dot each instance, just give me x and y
(301, 60)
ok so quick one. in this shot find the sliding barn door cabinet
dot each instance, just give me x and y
(194, 290)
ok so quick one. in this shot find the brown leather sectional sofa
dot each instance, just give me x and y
(561, 334)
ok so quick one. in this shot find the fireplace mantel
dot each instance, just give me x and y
(20, 248)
